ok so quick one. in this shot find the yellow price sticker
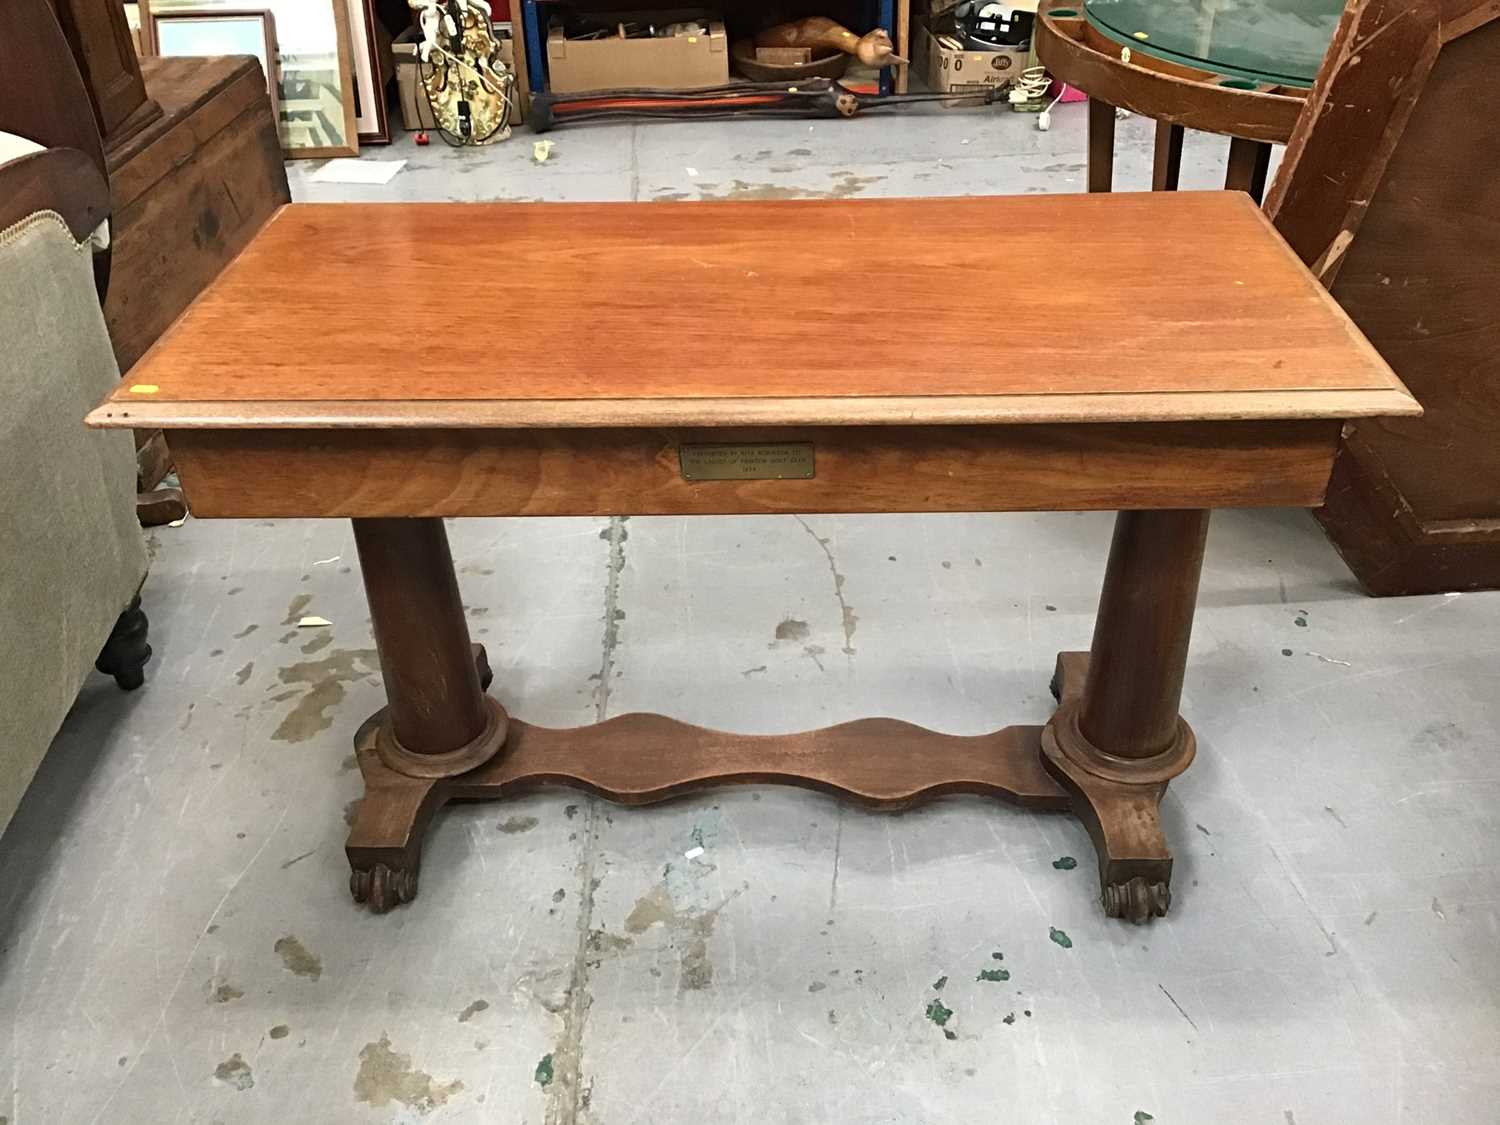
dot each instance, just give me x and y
(144, 389)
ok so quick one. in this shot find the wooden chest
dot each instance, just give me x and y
(188, 191)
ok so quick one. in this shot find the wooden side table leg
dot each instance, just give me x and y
(1167, 161)
(1249, 162)
(1101, 145)
(1117, 739)
(903, 44)
(438, 724)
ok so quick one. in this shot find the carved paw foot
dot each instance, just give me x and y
(381, 887)
(1136, 900)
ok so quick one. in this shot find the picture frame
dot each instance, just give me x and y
(229, 31)
(315, 71)
(372, 115)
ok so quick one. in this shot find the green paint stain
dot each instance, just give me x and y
(544, 1070)
(1141, 1117)
(1061, 938)
(998, 956)
(1066, 863)
(937, 1013)
(937, 985)
(993, 974)
(1009, 1019)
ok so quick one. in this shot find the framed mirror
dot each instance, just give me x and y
(315, 90)
(218, 33)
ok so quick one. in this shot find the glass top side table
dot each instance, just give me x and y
(1261, 41)
(1239, 68)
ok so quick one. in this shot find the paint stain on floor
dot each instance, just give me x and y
(224, 992)
(235, 1071)
(280, 1031)
(297, 959)
(792, 629)
(846, 185)
(387, 1076)
(690, 931)
(940, 1014)
(543, 1074)
(294, 610)
(472, 1010)
(517, 824)
(993, 974)
(325, 680)
(1065, 863)
(1060, 937)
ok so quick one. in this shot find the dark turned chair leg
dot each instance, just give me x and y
(125, 654)
(1249, 163)
(1166, 164)
(1101, 174)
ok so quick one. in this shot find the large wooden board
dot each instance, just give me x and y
(1126, 308)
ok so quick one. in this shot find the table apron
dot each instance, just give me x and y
(492, 472)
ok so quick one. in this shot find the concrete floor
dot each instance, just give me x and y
(176, 943)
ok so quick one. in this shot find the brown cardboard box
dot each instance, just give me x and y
(948, 71)
(415, 112)
(674, 63)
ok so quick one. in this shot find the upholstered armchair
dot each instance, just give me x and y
(72, 556)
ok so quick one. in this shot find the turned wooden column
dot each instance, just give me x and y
(1139, 652)
(439, 722)
(1117, 739)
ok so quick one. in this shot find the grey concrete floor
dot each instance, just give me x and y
(176, 941)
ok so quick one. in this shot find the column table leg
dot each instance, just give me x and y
(1117, 739)
(438, 723)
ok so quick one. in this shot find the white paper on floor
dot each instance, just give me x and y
(348, 170)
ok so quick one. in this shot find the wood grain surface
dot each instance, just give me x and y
(639, 758)
(857, 469)
(662, 305)
(62, 180)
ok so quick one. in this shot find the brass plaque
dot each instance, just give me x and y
(786, 460)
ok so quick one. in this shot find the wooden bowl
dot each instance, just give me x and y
(742, 52)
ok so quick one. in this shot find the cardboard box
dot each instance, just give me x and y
(415, 112)
(675, 62)
(945, 70)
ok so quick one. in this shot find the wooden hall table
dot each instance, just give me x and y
(705, 358)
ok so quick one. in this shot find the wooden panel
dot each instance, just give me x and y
(870, 469)
(191, 195)
(100, 40)
(63, 180)
(1391, 190)
(666, 301)
(42, 95)
(1423, 279)
(201, 96)
(1356, 114)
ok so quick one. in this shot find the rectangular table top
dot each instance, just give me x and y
(1024, 309)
